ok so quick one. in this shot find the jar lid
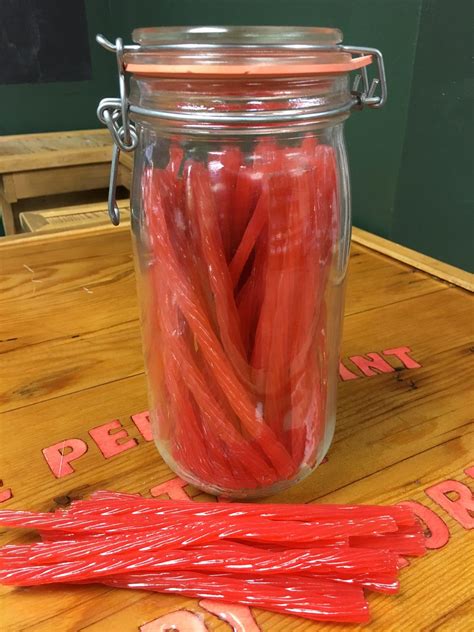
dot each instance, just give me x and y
(236, 51)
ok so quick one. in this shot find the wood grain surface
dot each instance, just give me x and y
(71, 362)
(436, 268)
(33, 165)
(56, 180)
(25, 152)
(64, 218)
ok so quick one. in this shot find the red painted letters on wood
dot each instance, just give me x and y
(142, 422)
(438, 530)
(172, 488)
(109, 438)
(5, 494)
(461, 507)
(402, 354)
(60, 455)
(240, 618)
(371, 364)
(345, 374)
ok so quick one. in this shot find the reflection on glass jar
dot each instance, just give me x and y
(241, 223)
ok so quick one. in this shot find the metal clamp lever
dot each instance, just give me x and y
(367, 96)
(114, 114)
(114, 211)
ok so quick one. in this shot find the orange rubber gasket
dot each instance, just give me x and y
(230, 70)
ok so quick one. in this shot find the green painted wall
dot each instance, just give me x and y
(434, 203)
(374, 138)
(400, 188)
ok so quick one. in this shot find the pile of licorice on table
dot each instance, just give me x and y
(312, 561)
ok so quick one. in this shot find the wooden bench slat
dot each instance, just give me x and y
(68, 217)
(61, 180)
(38, 151)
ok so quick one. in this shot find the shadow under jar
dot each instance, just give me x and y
(241, 224)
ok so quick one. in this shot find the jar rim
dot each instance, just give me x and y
(239, 51)
(261, 36)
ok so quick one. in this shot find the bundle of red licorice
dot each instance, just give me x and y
(313, 561)
(240, 247)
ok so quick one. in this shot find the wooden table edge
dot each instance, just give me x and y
(434, 267)
(75, 132)
(15, 242)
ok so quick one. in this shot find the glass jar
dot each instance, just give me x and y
(241, 222)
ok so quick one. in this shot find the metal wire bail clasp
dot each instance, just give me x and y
(366, 96)
(114, 114)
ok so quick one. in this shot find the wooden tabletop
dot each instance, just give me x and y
(72, 376)
(26, 152)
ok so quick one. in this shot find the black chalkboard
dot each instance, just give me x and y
(43, 41)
